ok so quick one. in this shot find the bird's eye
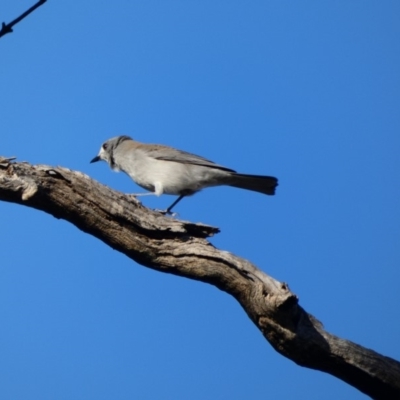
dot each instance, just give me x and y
(105, 145)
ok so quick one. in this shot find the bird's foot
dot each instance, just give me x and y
(166, 212)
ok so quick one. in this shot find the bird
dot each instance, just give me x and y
(165, 170)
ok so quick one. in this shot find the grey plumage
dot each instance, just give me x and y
(162, 169)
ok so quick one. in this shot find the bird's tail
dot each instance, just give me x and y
(257, 183)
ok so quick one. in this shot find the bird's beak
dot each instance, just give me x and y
(97, 158)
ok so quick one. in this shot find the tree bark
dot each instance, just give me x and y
(181, 248)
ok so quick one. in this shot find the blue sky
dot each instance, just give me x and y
(306, 91)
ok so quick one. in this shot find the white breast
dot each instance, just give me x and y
(167, 177)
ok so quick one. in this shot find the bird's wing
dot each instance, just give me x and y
(170, 154)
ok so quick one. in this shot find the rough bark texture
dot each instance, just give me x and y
(181, 248)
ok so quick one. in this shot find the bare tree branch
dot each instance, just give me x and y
(181, 248)
(7, 28)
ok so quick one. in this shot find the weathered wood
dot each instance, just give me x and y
(181, 248)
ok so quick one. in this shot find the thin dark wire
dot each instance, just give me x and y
(7, 28)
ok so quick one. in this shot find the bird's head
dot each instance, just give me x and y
(107, 151)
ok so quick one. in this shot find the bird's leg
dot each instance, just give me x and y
(158, 191)
(135, 195)
(168, 210)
